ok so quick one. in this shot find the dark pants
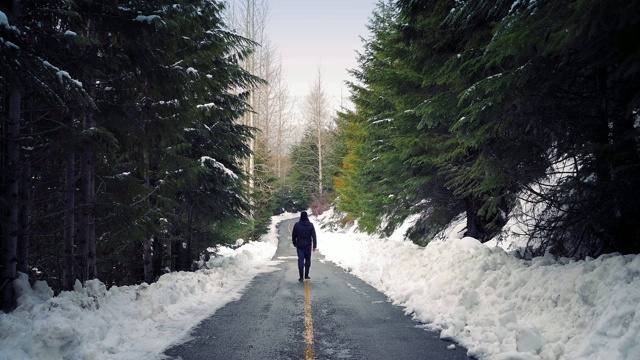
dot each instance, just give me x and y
(304, 257)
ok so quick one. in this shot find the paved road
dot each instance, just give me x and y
(333, 316)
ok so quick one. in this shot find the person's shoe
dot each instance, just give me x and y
(300, 279)
(306, 278)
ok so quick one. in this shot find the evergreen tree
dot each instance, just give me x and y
(573, 69)
(140, 129)
(190, 143)
(303, 174)
(29, 82)
(393, 153)
(468, 105)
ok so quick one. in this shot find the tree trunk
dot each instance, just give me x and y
(82, 253)
(252, 146)
(476, 225)
(148, 261)
(24, 213)
(189, 240)
(86, 234)
(87, 215)
(69, 218)
(92, 267)
(624, 169)
(148, 245)
(320, 190)
(168, 254)
(251, 34)
(279, 134)
(314, 110)
(10, 225)
(24, 237)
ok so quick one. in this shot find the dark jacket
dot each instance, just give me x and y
(303, 234)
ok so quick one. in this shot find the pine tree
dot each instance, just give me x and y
(303, 174)
(534, 87)
(30, 78)
(143, 121)
(574, 72)
(392, 151)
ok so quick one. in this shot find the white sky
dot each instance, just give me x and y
(326, 33)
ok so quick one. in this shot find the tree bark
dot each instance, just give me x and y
(86, 202)
(189, 240)
(86, 219)
(624, 165)
(92, 256)
(87, 215)
(168, 254)
(250, 29)
(316, 111)
(320, 141)
(10, 225)
(279, 133)
(24, 236)
(24, 215)
(476, 225)
(69, 219)
(148, 261)
(148, 245)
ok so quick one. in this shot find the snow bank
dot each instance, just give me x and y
(128, 322)
(496, 305)
(4, 21)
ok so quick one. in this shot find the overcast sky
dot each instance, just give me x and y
(324, 33)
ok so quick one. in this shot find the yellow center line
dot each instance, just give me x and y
(309, 353)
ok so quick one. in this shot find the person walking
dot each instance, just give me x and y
(304, 237)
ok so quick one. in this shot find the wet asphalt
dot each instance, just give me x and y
(350, 320)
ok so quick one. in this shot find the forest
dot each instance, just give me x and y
(123, 142)
(498, 110)
(139, 135)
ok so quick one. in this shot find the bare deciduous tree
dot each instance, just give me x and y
(271, 104)
(316, 111)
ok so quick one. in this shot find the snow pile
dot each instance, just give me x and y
(499, 306)
(4, 21)
(128, 322)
